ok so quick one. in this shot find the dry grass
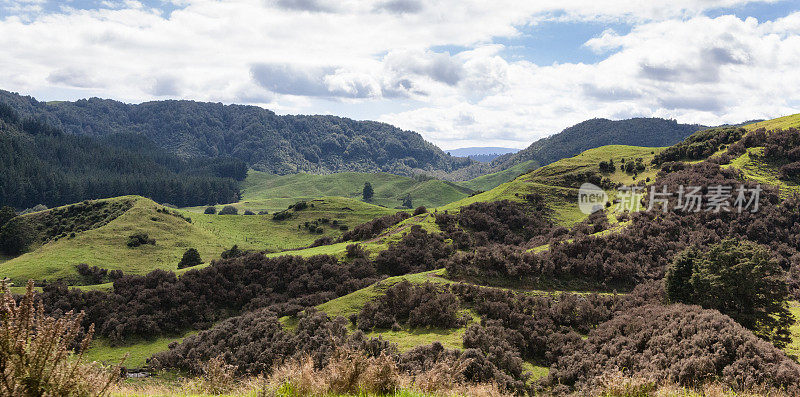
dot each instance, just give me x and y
(36, 355)
(618, 385)
(349, 373)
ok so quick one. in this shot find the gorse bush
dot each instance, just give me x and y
(256, 342)
(368, 230)
(687, 345)
(505, 222)
(161, 303)
(36, 356)
(648, 244)
(417, 251)
(139, 239)
(190, 258)
(228, 210)
(426, 305)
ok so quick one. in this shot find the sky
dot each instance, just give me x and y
(460, 72)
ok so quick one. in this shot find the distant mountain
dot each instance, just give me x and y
(264, 140)
(587, 135)
(482, 154)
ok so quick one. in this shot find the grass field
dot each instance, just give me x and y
(262, 191)
(491, 181)
(135, 352)
(209, 234)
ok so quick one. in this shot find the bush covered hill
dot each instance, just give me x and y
(591, 134)
(264, 140)
(39, 164)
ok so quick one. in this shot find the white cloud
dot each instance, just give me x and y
(289, 55)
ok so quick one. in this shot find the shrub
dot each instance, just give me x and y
(740, 279)
(374, 227)
(161, 303)
(190, 258)
(281, 215)
(299, 206)
(322, 241)
(16, 236)
(210, 210)
(425, 305)
(234, 252)
(420, 210)
(138, 239)
(684, 344)
(248, 212)
(91, 275)
(6, 214)
(35, 352)
(417, 251)
(229, 210)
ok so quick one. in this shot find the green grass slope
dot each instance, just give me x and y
(554, 181)
(779, 123)
(106, 246)
(491, 181)
(263, 191)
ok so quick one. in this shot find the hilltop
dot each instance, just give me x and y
(55, 256)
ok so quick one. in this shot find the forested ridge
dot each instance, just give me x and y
(39, 164)
(590, 134)
(264, 140)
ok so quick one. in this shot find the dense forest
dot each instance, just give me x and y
(264, 140)
(39, 164)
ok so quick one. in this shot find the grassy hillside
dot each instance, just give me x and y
(106, 246)
(781, 122)
(491, 181)
(555, 181)
(263, 191)
(755, 168)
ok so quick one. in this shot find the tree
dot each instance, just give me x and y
(367, 193)
(210, 210)
(407, 201)
(229, 210)
(738, 278)
(6, 214)
(15, 236)
(190, 258)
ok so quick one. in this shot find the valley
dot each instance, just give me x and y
(300, 255)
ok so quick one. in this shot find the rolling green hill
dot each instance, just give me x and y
(106, 246)
(274, 192)
(779, 123)
(559, 182)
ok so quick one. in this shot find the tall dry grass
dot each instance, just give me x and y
(36, 358)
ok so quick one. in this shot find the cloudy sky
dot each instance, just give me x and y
(460, 72)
